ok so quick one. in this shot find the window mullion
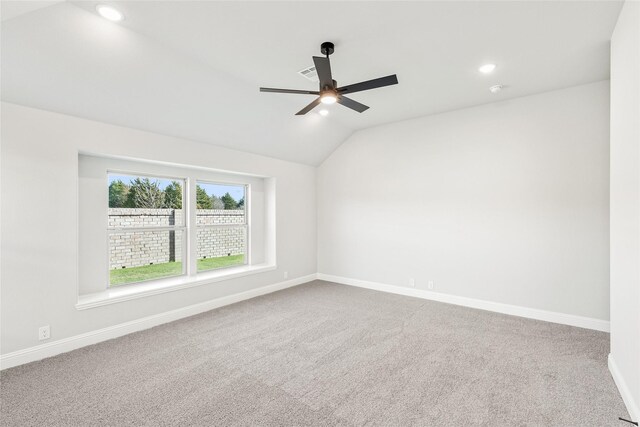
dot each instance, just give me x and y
(247, 222)
(192, 229)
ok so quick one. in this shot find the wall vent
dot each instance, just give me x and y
(310, 74)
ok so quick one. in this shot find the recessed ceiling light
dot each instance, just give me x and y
(487, 68)
(495, 88)
(110, 13)
(323, 112)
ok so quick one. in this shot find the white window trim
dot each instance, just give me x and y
(161, 286)
(189, 176)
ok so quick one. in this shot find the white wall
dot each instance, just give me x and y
(625, 205)
(39, 185)
(506, 202)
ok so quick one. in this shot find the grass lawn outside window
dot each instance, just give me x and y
(124, 276)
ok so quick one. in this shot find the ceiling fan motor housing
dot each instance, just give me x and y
(328, 88)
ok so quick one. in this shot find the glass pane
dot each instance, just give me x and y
(142, 201)
(220, 203)
(220, 247)
(137, 256)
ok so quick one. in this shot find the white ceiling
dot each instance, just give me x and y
(11, 9)
(192, 68)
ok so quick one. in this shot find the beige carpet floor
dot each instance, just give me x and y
(324, 354)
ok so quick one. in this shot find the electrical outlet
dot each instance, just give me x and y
(412, 282)
(430, 284)
(44, 333)
(286, 274)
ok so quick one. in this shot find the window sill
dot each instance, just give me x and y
(126, 293)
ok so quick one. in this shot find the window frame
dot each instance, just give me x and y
(189, 226)
(92, 257)
(246, 225)
(183, 227)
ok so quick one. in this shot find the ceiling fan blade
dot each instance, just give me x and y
(350, 103)
(323, 68)
(309, 107)
(302, 92)
(370, 84)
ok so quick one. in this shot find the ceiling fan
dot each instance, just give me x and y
(329, 92)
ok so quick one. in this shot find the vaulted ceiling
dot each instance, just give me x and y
(192, 68)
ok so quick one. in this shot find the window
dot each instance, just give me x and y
(222, 227)
(146, 228)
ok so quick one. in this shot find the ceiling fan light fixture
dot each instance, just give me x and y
(323, 112)
(328, 98)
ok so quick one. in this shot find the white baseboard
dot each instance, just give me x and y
(627, 397)
(514, 310)
(64, 345)
(67, 344)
